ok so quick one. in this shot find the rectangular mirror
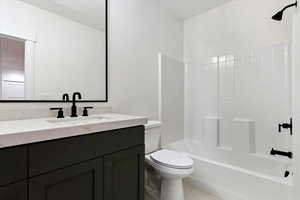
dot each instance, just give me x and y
(52, 47)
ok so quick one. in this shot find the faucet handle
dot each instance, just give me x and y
(60, 113)
(85, 111)
(66, 97)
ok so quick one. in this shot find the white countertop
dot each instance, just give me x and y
(13, 133)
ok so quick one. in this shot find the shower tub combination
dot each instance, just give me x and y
(237, 91)
(229, 142)
(232, 114)
(237, 181)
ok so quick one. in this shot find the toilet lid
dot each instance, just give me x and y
(172, 159)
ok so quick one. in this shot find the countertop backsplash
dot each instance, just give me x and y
(21, 111)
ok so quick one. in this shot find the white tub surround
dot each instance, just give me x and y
(228, 180)
(21, 132)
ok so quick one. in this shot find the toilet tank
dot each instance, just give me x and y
(153, 132)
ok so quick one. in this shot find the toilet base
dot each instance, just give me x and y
(172, 189)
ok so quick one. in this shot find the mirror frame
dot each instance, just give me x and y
(106, 74)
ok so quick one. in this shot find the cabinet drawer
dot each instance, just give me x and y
(47, 156)
(13, 166)
(17, 191)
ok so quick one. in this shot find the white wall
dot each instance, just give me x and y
(296, 104)
(140, 29)
(237, 25)
(69, 56)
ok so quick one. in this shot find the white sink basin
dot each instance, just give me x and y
(78, 120)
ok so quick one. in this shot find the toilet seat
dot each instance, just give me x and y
(172, 159)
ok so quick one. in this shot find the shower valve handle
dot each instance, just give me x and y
(286, 126)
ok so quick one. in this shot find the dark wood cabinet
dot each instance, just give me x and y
(57, 154)
(124, 175)
(99, 166)
(80, 182)
(13, 166)
(16, 191)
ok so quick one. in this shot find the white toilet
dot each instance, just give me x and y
(170, 165)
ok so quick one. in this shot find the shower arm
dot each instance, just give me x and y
(291, 5)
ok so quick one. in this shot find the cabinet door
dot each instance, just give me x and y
(124, 175)
(13, 166)
(79, 182)
(16, 191)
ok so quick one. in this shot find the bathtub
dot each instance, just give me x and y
(257, 177)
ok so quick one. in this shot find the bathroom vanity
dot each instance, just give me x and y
(73, 160)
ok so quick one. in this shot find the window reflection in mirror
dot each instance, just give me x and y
(12, 69)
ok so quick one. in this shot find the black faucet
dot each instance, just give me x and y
(74, 108)
(66, 97)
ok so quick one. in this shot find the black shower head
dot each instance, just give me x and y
(278, 16)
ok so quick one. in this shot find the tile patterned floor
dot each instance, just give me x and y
(193, 193)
